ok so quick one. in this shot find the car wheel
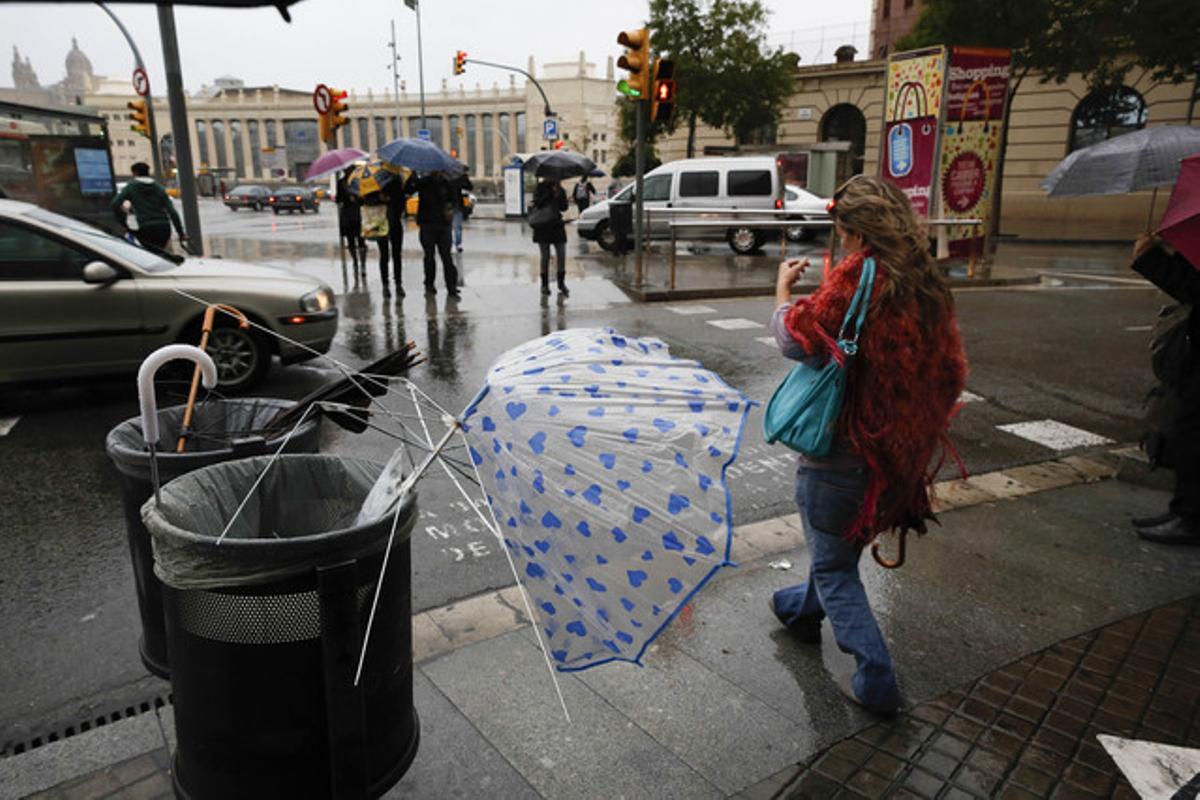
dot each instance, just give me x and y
(606, 237)
(233, 208)
(242, 357)
(743, 241)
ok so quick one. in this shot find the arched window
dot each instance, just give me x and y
(1106, 114)
(845, 123)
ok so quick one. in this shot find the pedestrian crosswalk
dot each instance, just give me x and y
(7, 424)
(1049, 433)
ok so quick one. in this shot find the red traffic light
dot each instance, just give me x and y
(664, 91)
(460, 61)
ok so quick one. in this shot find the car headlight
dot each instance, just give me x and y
(315, 302)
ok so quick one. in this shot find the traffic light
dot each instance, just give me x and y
(335, 117)
(637, 61)
(137, 115)
(662, 101)
(460, 61)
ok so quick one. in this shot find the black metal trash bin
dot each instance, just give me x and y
(224, 430)
(265, 631)
(620, 218)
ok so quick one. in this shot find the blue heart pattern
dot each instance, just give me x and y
(609, 482)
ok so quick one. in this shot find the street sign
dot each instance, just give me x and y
(550, 129)
(141, 82)
(424, 133)
(322, 99)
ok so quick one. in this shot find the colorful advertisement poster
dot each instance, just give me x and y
(976, 89)
(911, 116)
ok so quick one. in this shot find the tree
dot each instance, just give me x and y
(725, 75)
(1101, 39)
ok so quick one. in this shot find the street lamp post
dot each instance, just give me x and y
(415, 5)
(395, 77)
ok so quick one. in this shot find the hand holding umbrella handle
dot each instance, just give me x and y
(145, 382)
(206, 327)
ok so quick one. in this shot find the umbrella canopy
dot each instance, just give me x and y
(604, 461)
(559, 164)
(1129, 163)
(372, 177)
(334, 161)
(419, 155)
(1181, 224)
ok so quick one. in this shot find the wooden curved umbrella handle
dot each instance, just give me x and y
(900, 553)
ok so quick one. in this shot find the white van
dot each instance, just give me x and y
(716, 184)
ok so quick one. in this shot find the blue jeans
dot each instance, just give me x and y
(828, 500)
(457, 224)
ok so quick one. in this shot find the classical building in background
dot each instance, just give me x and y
(891, 20)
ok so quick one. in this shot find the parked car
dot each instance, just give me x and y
(75, 301)
(294, 198)
(710, 184)
(805, 205)
(248, 196)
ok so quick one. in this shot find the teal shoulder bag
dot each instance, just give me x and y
(804, 409)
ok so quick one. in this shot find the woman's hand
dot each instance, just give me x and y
(1143, 243)
(789, 272)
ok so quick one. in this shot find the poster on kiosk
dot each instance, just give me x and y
(912, 112)
(976, 90)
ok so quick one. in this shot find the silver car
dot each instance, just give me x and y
(75, 301)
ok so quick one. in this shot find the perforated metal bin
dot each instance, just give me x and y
(224, 430)
(264, 631)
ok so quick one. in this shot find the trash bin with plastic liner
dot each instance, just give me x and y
(620, 218)
(265, 628)
(222, 430)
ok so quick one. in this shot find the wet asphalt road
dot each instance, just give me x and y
(1075, 353)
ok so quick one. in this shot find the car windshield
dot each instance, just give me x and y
(245, 190)
(289, 190)
(108, 244)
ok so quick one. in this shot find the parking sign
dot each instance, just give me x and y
(424, 133)
(550, 129)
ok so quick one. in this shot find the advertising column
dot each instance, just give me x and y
(976, 88)
(910, 131)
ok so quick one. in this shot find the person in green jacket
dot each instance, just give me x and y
(151, 207)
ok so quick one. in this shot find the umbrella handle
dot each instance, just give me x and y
(882, 561)
(206, 327)
(145, 382)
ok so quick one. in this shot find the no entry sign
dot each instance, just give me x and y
(322, 99)
(141, 82)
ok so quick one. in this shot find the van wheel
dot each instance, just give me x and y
(606, 237)
(744, 241)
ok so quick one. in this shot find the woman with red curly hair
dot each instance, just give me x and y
(902, 389)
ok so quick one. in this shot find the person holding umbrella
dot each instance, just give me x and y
(350, 220)
(549, 203)
(435, 213)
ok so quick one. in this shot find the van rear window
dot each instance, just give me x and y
(698, 184)
(749, 183)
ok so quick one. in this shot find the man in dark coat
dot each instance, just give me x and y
(1178, 444)
(435, 212)
(151, 206)
(395, 195)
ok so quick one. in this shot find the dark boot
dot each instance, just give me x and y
(545, 283)
(1150, 522)
(562, 285)
(1180, 530)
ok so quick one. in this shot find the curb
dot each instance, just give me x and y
(656, 295)
(438, 631)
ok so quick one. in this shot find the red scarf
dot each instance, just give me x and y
(901, 393)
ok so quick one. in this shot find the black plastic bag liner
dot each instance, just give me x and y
(222, 429)
(301, 516)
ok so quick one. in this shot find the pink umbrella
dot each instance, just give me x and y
(1180, 226)
(334, 161)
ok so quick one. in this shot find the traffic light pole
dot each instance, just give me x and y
(529, 77)
(640, 168)
(155, 154)
(179, 128)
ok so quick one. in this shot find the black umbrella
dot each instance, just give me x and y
(559, 164)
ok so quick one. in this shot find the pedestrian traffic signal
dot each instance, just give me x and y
(637, 61)
(139, 118)
(460, 61)
(662, 101)
(335, 117)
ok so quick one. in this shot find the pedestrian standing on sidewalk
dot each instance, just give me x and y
(582, 194)
(350, 221)
(902, 388)
(549, 203)
(1175, 404)
(150, 206)
(461, 186)
(435, 213)
(375, 229)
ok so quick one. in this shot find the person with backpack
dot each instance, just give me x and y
(582, 195)
(1175, 403)
(151, 207)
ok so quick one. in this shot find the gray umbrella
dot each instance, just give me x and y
(559, 164)
(1144, 159)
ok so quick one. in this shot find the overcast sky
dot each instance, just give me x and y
(344, 42)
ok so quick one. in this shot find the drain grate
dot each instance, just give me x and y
(83, 726)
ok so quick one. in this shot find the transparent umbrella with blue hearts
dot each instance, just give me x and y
(603, 459)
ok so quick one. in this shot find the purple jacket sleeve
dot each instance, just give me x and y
(783, 337)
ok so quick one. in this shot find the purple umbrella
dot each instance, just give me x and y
(334, 161)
